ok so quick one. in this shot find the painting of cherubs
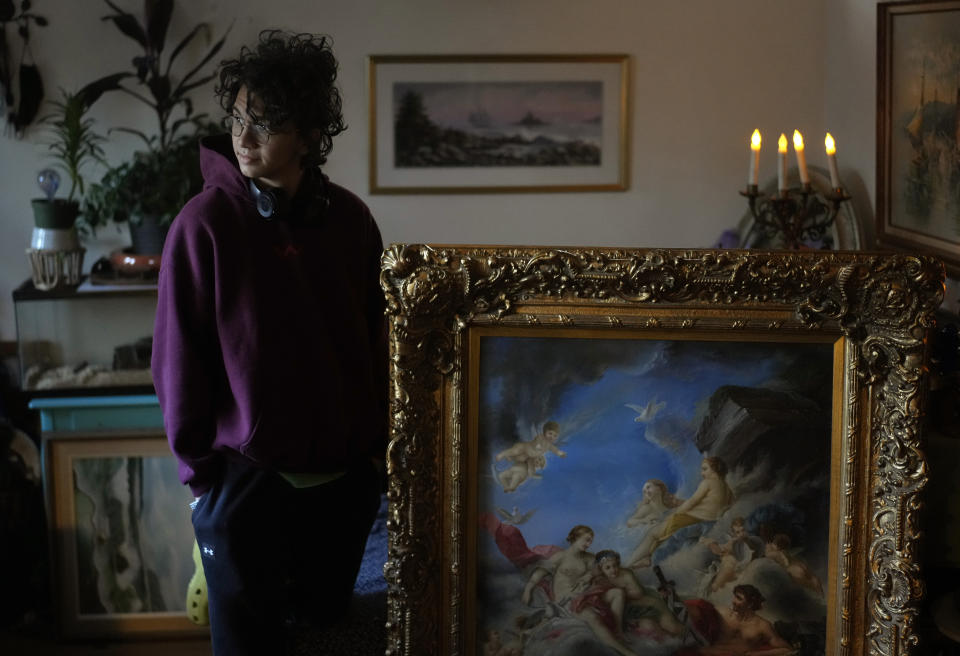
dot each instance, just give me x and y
(528, 458)
(724, 488)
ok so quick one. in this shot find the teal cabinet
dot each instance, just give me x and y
(92, 413)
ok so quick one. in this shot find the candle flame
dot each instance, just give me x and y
(782, 143)
(797, 140)
(755, 140)
(830, 144)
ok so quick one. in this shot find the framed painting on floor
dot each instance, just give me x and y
(121, 534)
(646, 452)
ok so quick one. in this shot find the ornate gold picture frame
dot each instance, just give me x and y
(447, 124)
(654, 451)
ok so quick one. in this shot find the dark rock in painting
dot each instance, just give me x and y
(745, 426)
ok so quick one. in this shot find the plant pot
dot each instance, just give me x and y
(147, 236)
(54, 239)
(56, 214)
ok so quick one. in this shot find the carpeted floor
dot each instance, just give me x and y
(362, 632)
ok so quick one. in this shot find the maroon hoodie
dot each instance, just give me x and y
(270, 337)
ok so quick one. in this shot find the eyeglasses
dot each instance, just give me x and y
(234, 125)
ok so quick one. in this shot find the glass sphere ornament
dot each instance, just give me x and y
(49, 181)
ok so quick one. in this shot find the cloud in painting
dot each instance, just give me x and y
(671, 433)
(531, 380)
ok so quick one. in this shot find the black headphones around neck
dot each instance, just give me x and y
(273, 203)
(270, 202)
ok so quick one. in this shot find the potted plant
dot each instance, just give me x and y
(55, 253)
(74, 144)
(148, 191)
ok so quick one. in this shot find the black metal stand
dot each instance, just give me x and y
(796, 215)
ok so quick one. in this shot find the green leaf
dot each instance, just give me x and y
(73, 142)
(196, 83)
(185, 41)
(146, 101)
(193, 71)
(128, 24)
(160, 88)
(92, 91)
(157, 18)
(139, 133)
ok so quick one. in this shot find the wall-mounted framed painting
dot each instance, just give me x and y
(655, 451)
(918, 104)
(498, 123)
(121, 535)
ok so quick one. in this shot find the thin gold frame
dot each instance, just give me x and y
(876, 308)
(378, 107)
(60, 451)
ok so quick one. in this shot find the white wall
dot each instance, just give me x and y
(704, 74)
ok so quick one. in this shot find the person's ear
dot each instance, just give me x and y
(314, 137)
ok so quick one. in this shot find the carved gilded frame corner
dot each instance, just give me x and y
(873, 311)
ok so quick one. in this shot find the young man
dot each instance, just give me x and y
(269, 353)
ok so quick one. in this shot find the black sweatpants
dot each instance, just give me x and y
(275, 555)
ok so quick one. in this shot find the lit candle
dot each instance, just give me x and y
(782, 162)
(754, 177)
(801, 157)
(832, 161)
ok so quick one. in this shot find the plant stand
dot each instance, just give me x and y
(52, 269)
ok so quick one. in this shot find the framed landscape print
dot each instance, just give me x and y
(600, 451)
(498, 123)
(122, 539)
(918, 168)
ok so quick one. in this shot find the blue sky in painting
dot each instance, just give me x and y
(585, 386)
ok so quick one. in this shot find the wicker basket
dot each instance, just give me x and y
(53, 269)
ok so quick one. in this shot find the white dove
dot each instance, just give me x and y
(648, 412)
(514, 516)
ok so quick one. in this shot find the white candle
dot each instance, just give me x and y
(754, 177)
(832, 161)
(782, 162)
(801, 157)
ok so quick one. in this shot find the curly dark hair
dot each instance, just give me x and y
(294, 76)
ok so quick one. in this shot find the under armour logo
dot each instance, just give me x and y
(207, 550)
(287, 251)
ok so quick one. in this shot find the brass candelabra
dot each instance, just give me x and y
(796, 215)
